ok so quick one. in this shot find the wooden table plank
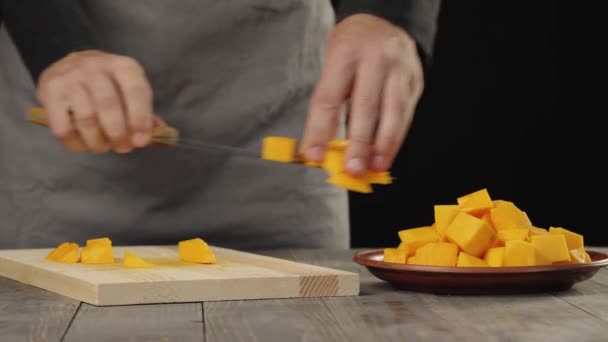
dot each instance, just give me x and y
(381, 313)
(153, 322)
(302, 319)
(31, 314)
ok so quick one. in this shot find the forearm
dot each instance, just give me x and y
(417, 17)
(46, 31)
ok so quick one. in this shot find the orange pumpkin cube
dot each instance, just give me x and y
(506, 215)
(414, 238)
(280, 149)
(466, 260)
(476, 203)
(444, 215)
(470, 233)
(573, 239)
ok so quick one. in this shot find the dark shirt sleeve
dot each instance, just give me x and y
(45, 31)
(417, 17)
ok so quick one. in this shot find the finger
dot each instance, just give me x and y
(58, 110)
(396, 118)
(85, 119)
(332, 90)
(110, 112)
(365, 111)
(137, 97)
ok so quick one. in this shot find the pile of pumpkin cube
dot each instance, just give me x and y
(477, 231)
(100, 252)
(283, 149)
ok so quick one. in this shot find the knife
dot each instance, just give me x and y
(162, 136)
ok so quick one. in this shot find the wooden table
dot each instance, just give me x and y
(378, 314)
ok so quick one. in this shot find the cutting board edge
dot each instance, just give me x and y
(10, 269)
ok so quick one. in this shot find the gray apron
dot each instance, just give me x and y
(227, 72)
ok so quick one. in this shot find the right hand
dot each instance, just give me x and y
(98, 101)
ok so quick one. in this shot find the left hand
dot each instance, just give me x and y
(375, 65)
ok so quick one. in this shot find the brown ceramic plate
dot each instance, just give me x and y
(480, 280)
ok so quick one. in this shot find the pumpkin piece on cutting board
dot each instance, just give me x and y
(470, 233)
(494, 256)
(97, 251)
(280, 149)
(466, 260)
(414, 238)
(67, 252)
(197, 251)
(476, 203)
(553, 247)
(131, 260)
(395, 255)
(506, 215)
(573, 239)
(437, 254)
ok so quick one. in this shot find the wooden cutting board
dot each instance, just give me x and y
(237, 275)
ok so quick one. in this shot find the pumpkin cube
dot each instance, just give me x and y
(522, 253)
(579, 256)
(494, 256)
(444, 214)
(131, 260)
(488, 220)
(508, 216)
(466, 260)
(350, 183)
(333, 162)
(67, 252)
(511, 234)
(413, 260)
(476, 203)
(97, 251)
(573, 239)
(537, 231)
(438, 254)
(379, 177)
(196, 250)
(470, 233)
(414, 238)
(395, 255)
(280, 149)
(553, 247)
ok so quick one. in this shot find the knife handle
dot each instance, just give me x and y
(161, 135)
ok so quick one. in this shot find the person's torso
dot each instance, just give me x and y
(222, 72)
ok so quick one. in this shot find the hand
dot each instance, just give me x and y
(97, 101)
(375, 65)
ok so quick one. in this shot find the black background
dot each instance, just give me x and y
(514, 103)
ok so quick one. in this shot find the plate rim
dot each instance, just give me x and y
(363, 258)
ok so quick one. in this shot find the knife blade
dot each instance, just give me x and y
(163, 136)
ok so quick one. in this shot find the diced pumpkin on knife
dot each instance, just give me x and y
(97, 251)
(552, 247)
(131, 260)
(67, 252)
(470, 233)
(466, 260)
(280, 149)
(379, 177)
(395, 255)
(476, 203)
(413, 238)
(349, 182)
(196, 250)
